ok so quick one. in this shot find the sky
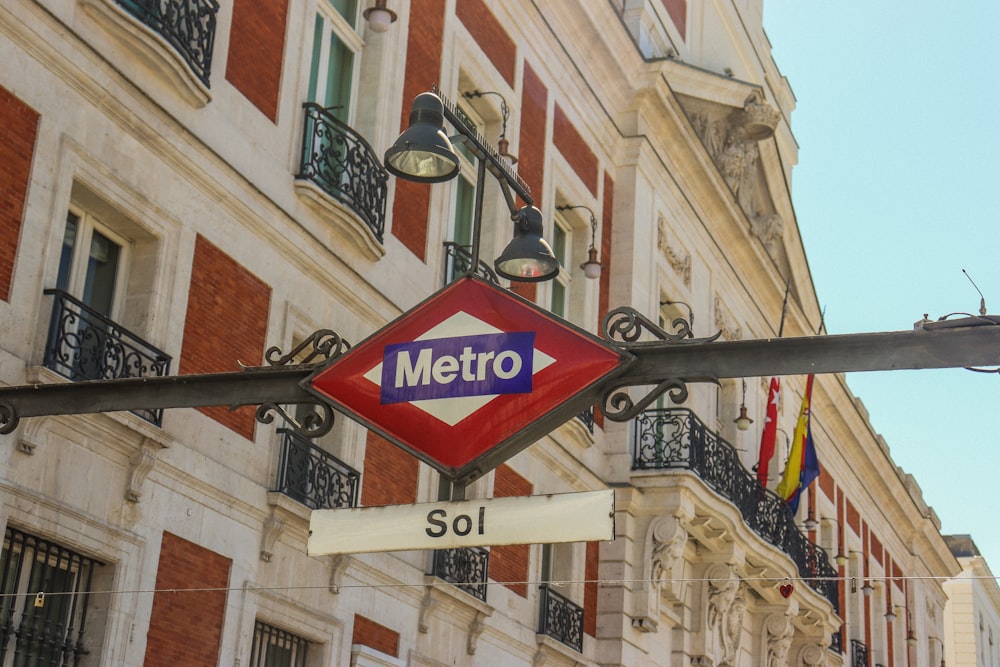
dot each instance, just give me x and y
(895, 193)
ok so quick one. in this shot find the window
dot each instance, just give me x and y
(92, 265)
(336, 44)
(273, 647)
(562, 244)
(46, 589)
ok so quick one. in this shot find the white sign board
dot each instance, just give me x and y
(564, 517)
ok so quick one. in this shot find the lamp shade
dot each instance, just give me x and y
(423, 152)
(528, 257)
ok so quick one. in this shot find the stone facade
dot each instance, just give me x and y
(208, 188)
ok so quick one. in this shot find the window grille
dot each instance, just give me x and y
(43, 611)
(274, 647)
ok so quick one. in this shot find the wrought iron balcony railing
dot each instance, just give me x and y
(674, 438)
(343, 165)
(187, 25)
(587, 419)
(466, 568)
(559, 618)
(859, 653)
(835, 639)
(313, 476)
(85, 345)
(458, 261)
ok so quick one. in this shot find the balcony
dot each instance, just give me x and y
(675, 439)
(313, 476)
(559, 618)
(85, 345)
(458, 262)
(186, 25)
(587, 419)
(342, 165)
(859, 654)
(466, 568)
(835, 642)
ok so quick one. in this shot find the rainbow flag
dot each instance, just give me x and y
(803, 466)
(770, 433)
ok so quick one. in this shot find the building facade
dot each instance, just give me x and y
(972, 614)
(190, 186)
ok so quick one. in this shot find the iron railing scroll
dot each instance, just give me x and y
(85, 345)
(187, 25)
(465, 567)
(675, 439)
(559, 618)
(314, 477)
(587, 419)
(859, 654)
(342, 164)
(835, 642)
(458, 262)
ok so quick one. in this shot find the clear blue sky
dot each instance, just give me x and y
(896, 193)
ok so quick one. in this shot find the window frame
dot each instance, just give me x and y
(329, 23)
(76, 277)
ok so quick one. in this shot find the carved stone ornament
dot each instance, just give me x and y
(812, 655)
(665, 543)
(273, 527)
(140, 465)
(778, 631)
(679, 262)
(476, 628)
(759, 119)
(769, 229)
(724, 321)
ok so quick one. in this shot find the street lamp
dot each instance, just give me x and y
(592, 267)
(424, 153)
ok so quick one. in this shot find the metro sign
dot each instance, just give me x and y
(468, 378)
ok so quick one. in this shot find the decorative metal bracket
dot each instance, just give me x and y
(320, 346)
(624, 327)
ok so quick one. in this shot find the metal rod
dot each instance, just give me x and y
(938, 348)
(477, 216)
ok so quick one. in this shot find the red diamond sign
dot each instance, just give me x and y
(470, 375)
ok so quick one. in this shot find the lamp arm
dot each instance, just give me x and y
(494, 164)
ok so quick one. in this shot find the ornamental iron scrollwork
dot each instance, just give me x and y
(625, 328)
(312, 476)
(675, 439)
(323, 344)
(465, 567)
(187, 25)
(560, 618)
(83, 344)
(458, 262)
(317, 419)
(343, 165)
(8, 418)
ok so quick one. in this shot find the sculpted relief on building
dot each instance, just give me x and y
(731, 139)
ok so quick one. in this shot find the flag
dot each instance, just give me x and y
(770, 433)
(803, 466)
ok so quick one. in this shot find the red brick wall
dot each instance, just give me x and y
(185, 628)
(876, 548)
(853, 518)
(369, 633)
(390, 476)
(576, 151)
(18, 125)
(590, 588)
(423, 70)
(677, 9)
(225, 324)
(531, 165)
(826, 483)
(509, 564)
(256, 47)
(489, 35)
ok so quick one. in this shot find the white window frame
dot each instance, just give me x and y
(334, 24)
(563, 279)
(87, 224)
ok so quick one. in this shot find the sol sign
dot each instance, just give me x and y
(458, 380)
(562, 517)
